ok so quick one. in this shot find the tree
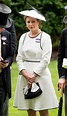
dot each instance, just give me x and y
(53, 10)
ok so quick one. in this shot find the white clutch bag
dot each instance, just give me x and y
(64, 65)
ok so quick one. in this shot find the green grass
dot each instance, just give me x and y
(14, 75)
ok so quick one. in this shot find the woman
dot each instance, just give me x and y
(33, 57)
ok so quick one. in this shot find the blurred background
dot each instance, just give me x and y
(53, 10)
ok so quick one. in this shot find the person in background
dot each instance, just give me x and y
(33, 58)
(62, 54)
(11, 29)
(6, 55)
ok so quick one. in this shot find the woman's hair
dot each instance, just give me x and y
(25, 17)
(36, 19)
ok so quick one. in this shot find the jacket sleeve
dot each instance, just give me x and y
(6, 47)
(19, 57)
(12, 30)
(46, 54)
(61, 55)
(10, 55)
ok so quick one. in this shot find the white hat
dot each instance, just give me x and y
(34, 14)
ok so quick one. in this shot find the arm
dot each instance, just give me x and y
(61, 55)
(46, 54)
(30, 79)
(12, 30)
(7, 51)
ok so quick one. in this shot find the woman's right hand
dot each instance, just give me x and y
(29, 77)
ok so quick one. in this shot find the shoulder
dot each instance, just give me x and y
(64, 31)
(6, 32)
(63, 34)
(46, 36)
(23, 36)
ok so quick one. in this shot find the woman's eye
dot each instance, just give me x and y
(28, 21)
(33, 21)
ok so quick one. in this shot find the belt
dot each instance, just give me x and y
(30, 61)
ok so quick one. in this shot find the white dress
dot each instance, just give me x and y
(32, 57)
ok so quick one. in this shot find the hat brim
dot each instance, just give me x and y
(5, 9)
(34, 14)
(8, 24)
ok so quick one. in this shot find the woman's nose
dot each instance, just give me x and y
(30, 23)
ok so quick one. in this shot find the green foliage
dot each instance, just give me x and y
(53, 10)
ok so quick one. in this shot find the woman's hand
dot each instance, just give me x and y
(30, 78)
(25, 74)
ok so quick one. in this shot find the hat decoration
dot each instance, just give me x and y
(33, 13)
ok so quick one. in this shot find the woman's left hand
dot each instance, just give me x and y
(32, 78)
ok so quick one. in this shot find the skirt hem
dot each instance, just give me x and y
(36, 109)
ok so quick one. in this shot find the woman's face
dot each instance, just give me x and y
(32, 23)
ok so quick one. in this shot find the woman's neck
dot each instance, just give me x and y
(34, 33)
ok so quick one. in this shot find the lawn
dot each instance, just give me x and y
(14, 73)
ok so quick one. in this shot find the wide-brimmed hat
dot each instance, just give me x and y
(33, 13)
(65, 19)
(5, 22)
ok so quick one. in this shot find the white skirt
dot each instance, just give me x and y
(47, 100)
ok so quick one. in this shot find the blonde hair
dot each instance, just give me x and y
(35, 18)
(25, 17)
